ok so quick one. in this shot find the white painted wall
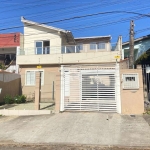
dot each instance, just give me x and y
(35, 33)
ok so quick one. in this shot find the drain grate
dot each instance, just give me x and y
(132, 115)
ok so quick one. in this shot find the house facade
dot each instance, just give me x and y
(81, 74)
(141, 45)
(10, 43)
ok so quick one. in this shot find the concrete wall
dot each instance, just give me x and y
(35, 33)
(124, 64)
(132, 101)
(21, 41)
(70, 58)
(10, 84)
(49, 87)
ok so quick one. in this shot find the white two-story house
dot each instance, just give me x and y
(76, 73)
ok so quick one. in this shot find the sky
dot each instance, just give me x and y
(85, 17)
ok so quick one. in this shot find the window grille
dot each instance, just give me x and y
(130, 81)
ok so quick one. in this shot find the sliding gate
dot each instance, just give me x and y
(90, 88)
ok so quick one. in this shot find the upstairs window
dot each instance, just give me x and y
(93, 46)
(97, 45)
(100, 45)
(80, 46)
(42, 47)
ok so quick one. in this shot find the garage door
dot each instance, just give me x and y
(90, 88)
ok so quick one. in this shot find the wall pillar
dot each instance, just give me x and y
(132, 100)
(17, 53)
(37, 90)
(58, 92)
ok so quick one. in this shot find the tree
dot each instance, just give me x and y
(144, 58)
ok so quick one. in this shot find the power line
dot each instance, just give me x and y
(78, 30)
(83, 16)
(91, 27)
(126, 19)
(27, 7)
(65, 9)
(60, 11)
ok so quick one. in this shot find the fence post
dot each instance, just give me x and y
(37, 90)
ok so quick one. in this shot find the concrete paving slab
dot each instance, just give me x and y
(77, 128)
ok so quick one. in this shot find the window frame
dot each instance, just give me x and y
(134, 75)
(101, 43)
(79, 44)
(96, 45)
(93, 44)
(35, 77)
(41, 47)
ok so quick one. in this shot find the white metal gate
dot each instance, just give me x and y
(90, 88)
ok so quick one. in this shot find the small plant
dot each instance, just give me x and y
(20, 99)
(2, 66)
(147, 111)
(8, 99)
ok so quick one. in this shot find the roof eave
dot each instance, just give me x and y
(138, 39)
(49, 27)
(42, 25)
(93, 37)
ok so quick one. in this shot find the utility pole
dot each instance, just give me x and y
(131, 45)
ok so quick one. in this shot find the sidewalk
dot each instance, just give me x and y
(76, 128)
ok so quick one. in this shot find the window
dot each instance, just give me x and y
(130, 81)
(100, 45)
(97, 45)
(30, 77)
(63, 49)
(42, 47)
(93, 46)
(79, 47)
(70, 49)
(8, 58)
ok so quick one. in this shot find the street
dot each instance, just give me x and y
(82, 128)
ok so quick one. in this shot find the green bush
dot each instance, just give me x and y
(20, 99)
(8, 99)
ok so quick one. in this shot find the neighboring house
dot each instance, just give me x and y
(76, 73)
(9, 44)
(141, 45)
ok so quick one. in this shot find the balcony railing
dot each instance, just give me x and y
(42, 50)
(59, 50)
